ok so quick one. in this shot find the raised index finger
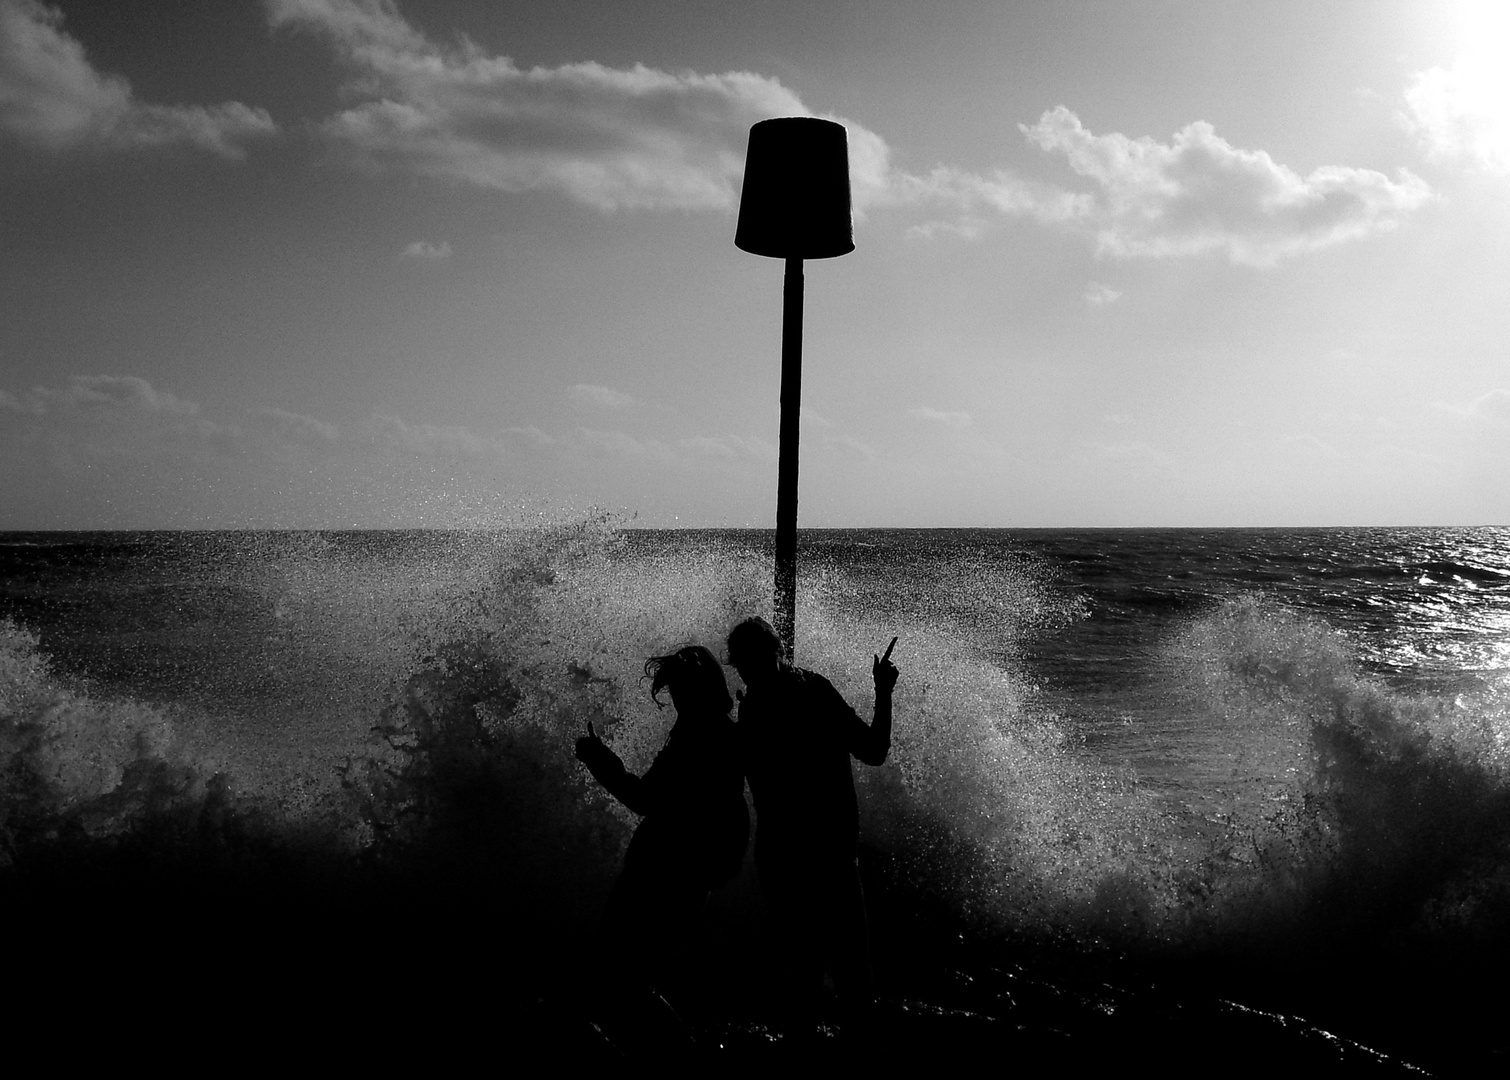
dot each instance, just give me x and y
(887, 655)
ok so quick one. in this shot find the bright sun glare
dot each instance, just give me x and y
(1467, 107)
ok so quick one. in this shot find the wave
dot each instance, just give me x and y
(1362, 814)
(422, 696)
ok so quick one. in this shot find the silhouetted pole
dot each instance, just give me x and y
(794, 206)
(786, 464)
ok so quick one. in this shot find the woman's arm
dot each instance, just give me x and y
(609, 771)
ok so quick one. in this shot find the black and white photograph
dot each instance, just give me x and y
(733, 536)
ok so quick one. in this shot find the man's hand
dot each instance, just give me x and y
(884, 671)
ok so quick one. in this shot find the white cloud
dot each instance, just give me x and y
(819, 432)
(295, 427)
(979, 199)
(126, 414)
(1493, 407)
(690, 453)
(102, 395)
(531, 436)
(728, 447)
(1200, 194)
(809, 418)
(599, 397)
(51, 96)
(1462, 113)
(118, 451)
(281, 430)
(1135, 453)
(642, 137)
(957, 420)
(620, 444)
(425, 251)
(849, 444)
(1196, 195)
(101, 418)
(428, 440)
(1097, 294)
(609, 137)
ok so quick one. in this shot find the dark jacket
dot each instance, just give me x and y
(795, 739)
(692, 801)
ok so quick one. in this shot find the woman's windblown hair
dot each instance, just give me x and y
(697, 676)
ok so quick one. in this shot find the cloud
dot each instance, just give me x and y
(1462, 113)
(599, 397)
(690, 453)
(1135, 453)
(380, 433)
(819, 432)
(810, 419)
(111, 392)
(128, 415)
(428, 440)
(101, 398)
(1199, 194)
(50, 96)
(1493, 408)
(425, 251)
(850, 444)
(608, 137)
(978, 199)
(100, 418)
(957, 420)
(117, 451)
(1494, 405)
(1194, 196)
(728, 447)
(1097, 294)
(640, 137)
(297, 428)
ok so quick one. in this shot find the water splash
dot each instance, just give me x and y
(371, 699)
(1355, 813)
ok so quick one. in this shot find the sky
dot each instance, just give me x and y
(440, 263)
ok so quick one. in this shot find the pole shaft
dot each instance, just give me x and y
(786, 468)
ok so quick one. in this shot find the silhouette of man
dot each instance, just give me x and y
(796, 734)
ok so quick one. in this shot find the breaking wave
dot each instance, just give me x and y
(386, 736)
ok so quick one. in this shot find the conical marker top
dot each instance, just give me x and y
(795, 200)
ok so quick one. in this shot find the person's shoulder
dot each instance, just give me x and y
(810, 678)
(815, 684)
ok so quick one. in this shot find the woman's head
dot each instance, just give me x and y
(694, 677)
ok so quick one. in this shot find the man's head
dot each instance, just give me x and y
(755, 651)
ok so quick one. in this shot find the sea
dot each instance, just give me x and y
(1187, 799)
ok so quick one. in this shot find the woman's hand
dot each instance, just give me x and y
(590, 748)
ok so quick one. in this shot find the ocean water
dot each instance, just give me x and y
(1232, 792)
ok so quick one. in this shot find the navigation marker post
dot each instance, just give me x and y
(794, 205)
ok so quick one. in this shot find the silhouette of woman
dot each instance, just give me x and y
(695, 825)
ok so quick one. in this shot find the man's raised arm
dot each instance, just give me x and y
(877, 743)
